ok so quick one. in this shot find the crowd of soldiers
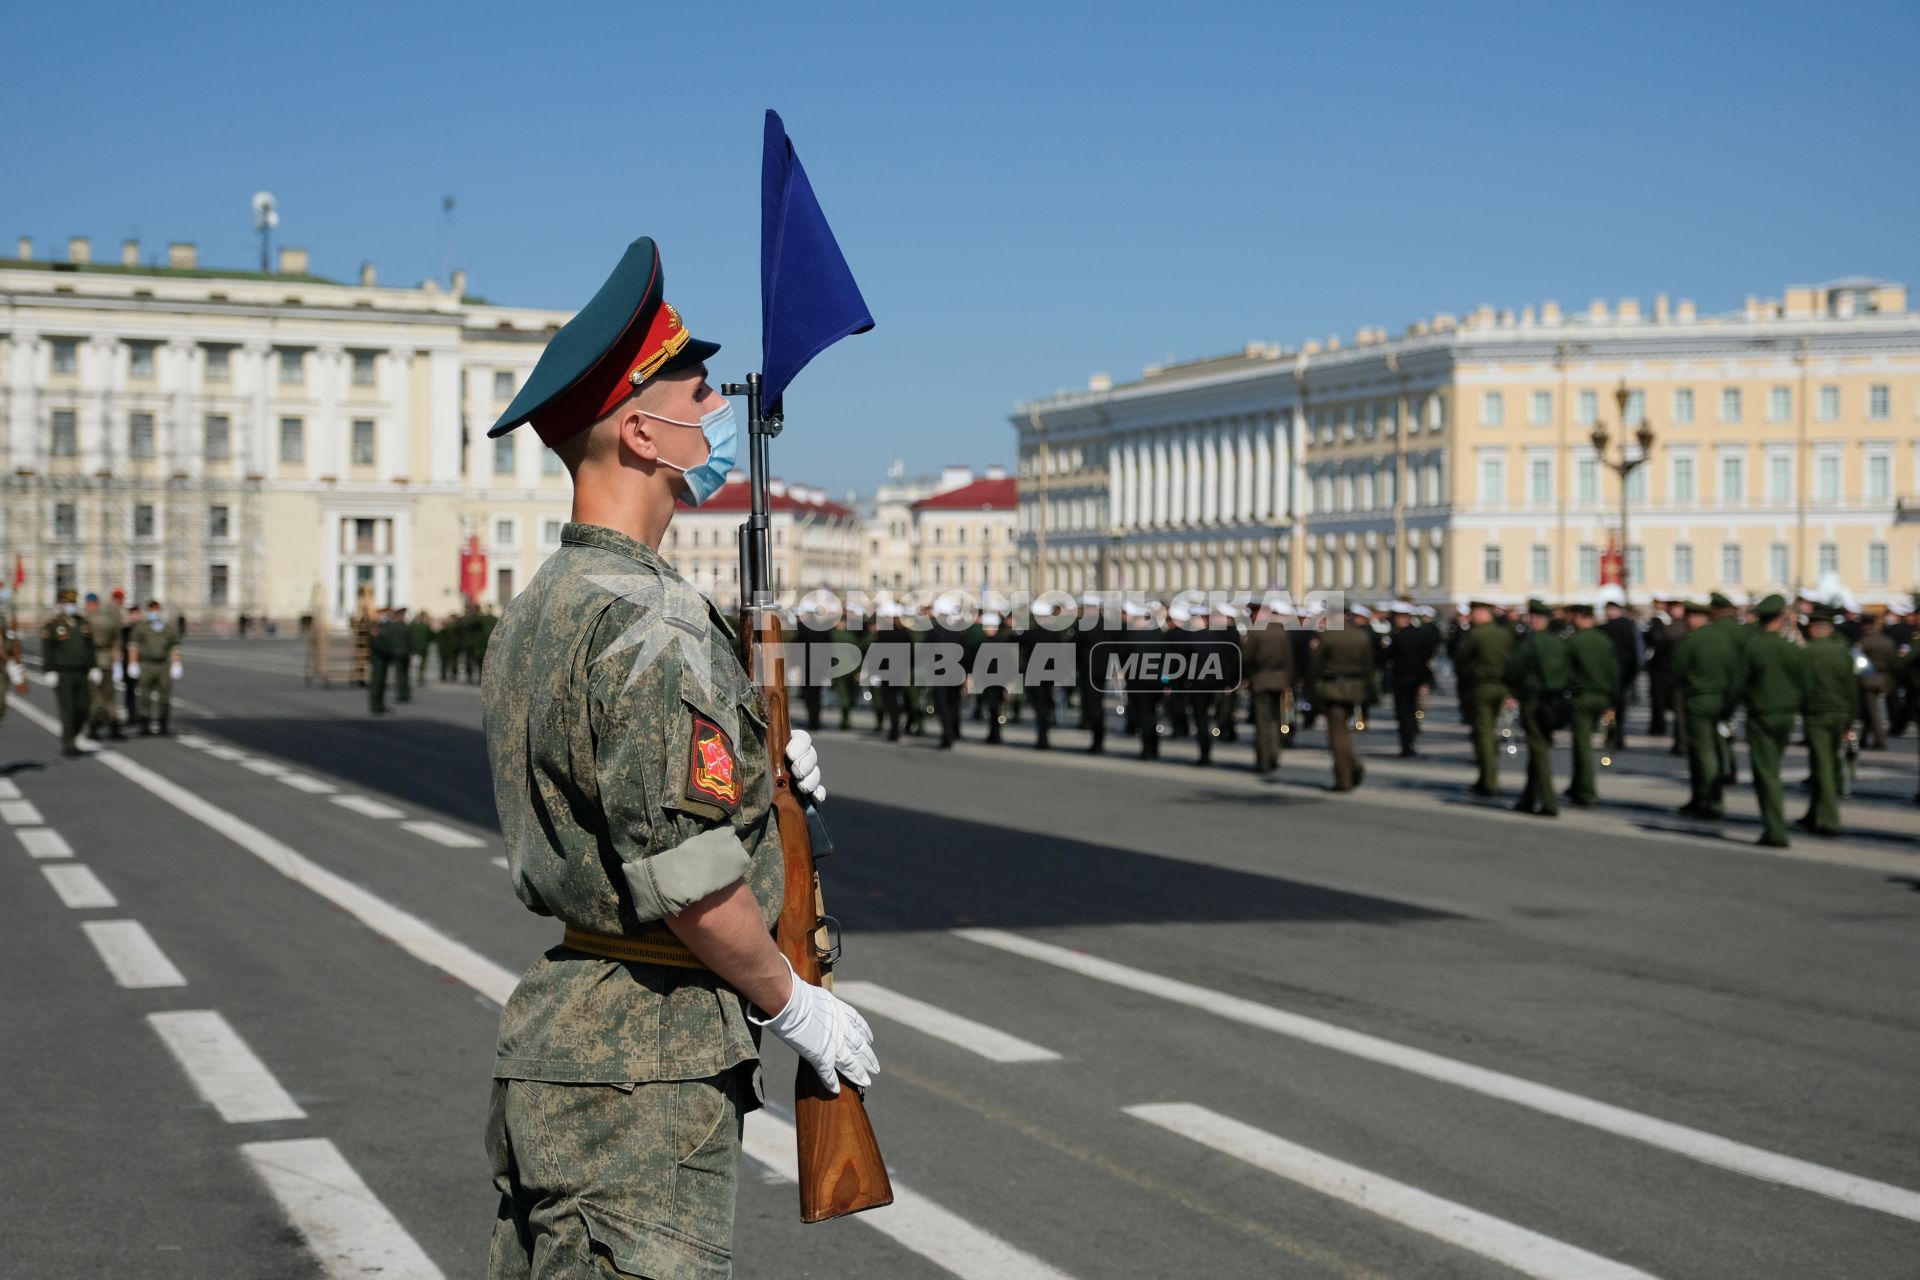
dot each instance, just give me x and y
(394, 643)
(1848, 677)
(92, 649)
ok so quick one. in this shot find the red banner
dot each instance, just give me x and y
(473, 570)
(1613, 565)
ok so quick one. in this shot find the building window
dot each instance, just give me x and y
(1490, 565)
(1589, 567)
(66, 520)
(550, 532)
(505, 533)
(1877, 564)
(1414, 469)
(1346, 423)
(1540, 409)
(1730, 564)
(1829, 558)
(66, 355)
(217, 584)
(219, 363)
(1729, 404)
(503, 384)
(293, 366)
(217, 445)
(1779, 404)
(1493, 412)
(1493, 481)
(363, 442)
(66, 434)
(1683, 477)
(1587, 409)
(1879, 477)
(1683, 404)
(140, 360)
(1587, 477)
(143, 519)
(143, 581)
(503, 456)
(1682, 562)
(1636, 410)
(1829, 403)
(1436, 412)
(363, 368)
(1733, 479)
(1826, 477)
(503, 585)
(219, 522)
(1540, 482)
(1777, 563)
(140, 436)
(1636, 485)
(1879, 402)
(1636, 563)
(293, 440)
(1779, 477)
(550, 463)
(1538, 565)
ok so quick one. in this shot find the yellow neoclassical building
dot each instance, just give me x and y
(1459, 459)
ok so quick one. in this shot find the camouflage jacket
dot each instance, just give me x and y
(630, 774)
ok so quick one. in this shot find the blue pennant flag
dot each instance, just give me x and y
(808, 298)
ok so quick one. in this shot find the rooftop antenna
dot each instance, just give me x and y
(266, 216)
(446, 234)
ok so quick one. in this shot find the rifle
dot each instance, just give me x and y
(841, 1169)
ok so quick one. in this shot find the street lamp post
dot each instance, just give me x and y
(1624, 466)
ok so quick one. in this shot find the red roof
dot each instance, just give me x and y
(737, 495)
(982, 495)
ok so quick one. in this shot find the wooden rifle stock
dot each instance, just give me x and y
(841, 1170)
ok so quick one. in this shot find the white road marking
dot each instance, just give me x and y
(347, 1229)
(368, 806)
(131, 955)
(267, 767)
(1756, 1162)
(77, 886)
(226, 753)
(1524, 1251)
(936, 1234)
(9, 789)
(222, 1068)
(20, 813)
(440, 833)
(975, 1037)
(193, 740)
(44, 842)
(308, 783)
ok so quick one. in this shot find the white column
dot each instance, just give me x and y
(393, 443)
(1115, 481)
(1162, 481)
(102, 378)
(1140, 492)
(1209, 506)
(443, 424)
(251, 435)
(329, 443)
(1243, 501)
(24, 353)
(1262, 474)
(1193, 477)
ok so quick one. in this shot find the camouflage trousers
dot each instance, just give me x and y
(617, 1179)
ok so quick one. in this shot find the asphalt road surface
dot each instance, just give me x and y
(1134, 1020)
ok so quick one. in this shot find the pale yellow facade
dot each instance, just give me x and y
(1456, 460)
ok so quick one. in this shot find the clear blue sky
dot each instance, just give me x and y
(1028, 192)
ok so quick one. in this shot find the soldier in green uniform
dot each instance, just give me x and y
(400, 653)
(66, 649)
(1538, 674)
(1706, 668)
(446, 642)
(420, 632)
(483, 625)
(627, 1057)
(13, 670)
(846, 689)
(1595, 685)
(1832, 697)
(1266, 667)
(157, 646)
(1342, 668)
(1038, 673)
(103, 628)
(1480, 665)
(1774, 688)
(379, 661)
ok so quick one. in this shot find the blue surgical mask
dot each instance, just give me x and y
(722, 433)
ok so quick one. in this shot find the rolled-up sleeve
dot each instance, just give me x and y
(668, 882)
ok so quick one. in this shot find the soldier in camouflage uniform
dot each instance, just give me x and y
(103, 627)
(630, 772)
(66, 649)
(157, 647)
(13, 671)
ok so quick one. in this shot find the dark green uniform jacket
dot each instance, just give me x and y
(1342, 664)
(1481, 659)
(1776, 676)
(1539, 666)
(1596, 668)
(1708, 667)
(1832, 689)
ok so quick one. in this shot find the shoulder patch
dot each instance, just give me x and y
(713, 767)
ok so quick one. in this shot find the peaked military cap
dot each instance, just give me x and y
(1719, 601)
(1581, 608)
(1696, 606)
(625, 334)
(1539, 606)
(1823, 612)
(1772, 607)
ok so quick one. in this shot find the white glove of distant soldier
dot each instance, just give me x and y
(133, 668)
(93, 676)
(828, 1032)
(175, 670)
(17, 676)
(803, 766)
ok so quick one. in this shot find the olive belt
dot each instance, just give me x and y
(656, 946)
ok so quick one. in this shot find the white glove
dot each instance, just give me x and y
(828, 1032)
(118, 672)
(803, 766)
(93, 676)
(174, 670)
(17, 676)
(133, 669)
